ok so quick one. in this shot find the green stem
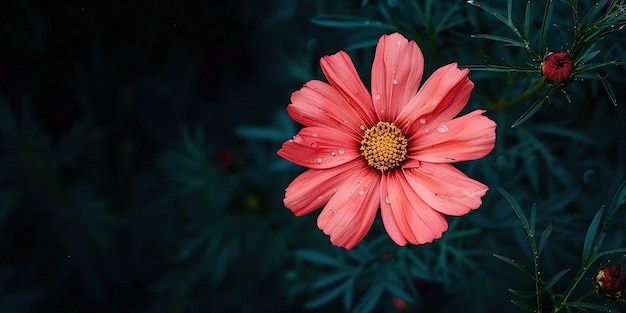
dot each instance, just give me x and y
(503, 104)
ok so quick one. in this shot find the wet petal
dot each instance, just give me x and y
(442, 97)
(320, 104)
(349, 214)
(340, 72)
(320, 147)
(396, 74)
(445, 188)
(387, 214)
(313, 188)
(468, 137)
(418, 222)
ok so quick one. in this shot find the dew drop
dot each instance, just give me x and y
(382, 111)
(442, 128)
(341, 151)
(361, 193)
(319, 160)
(377, 97)
(395, 81)
(313, 144)
(314, 135)
(347, 158)
(422, 121)
(399, 43)
(387, 200)
(362, 127)
(333, 153)
(439, 199)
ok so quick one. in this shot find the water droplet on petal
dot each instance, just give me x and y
(362, 127)
(319, 160)
(422, 121)
(313, 144)
(395, 81)
(399, 43)
(361, 193)
(442, 128)
(314, 135)
(333, 153)
(382, 111)
(341, 151)
(439, 199)
(377, 97)
(387, 200)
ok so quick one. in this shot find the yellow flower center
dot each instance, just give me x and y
(384, 146)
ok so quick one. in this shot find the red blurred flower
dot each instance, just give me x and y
(557, 68)
(611, 281)
(390, 148)
(400, 304)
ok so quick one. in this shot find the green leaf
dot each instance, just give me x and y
(524, 306)
(527, 20)
(620, 197)
(506, 40)
(325, 297)
(515, 264)
(317, 257)
(516, 208)
(544, 237)
(532, 110)
(554, 279)
(523, 293)
(585, 305)
(547, 16)
(591, 235)
(344, 21)
(369, 300)
(330, 279)
(497, 15)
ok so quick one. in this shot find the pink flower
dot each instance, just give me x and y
(390, 149)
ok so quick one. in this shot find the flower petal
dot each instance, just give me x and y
(396, 74)
(445, 188)
(320, 147)
(312, 189)
(418, 222)
(468, 137)
(320, 104)
(349, 214)
(341, 74)
(387, 214)
(442, 97)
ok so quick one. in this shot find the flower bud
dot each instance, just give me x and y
(557, 68)
(401, 305)
(610, 281)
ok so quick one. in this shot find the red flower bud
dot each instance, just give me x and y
(611, 281)
(557, 68)
(400, 305)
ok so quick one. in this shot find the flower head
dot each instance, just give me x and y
(557, 68)
(610, 281)
(389, 149)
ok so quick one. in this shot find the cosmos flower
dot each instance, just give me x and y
(389, 149)
(557, 68)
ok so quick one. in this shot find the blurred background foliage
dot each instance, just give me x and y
(138, 167)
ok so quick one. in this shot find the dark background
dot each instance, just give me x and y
(138, 170)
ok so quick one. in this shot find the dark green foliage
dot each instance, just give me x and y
(138, 166)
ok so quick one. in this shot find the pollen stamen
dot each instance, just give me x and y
(384, 146)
